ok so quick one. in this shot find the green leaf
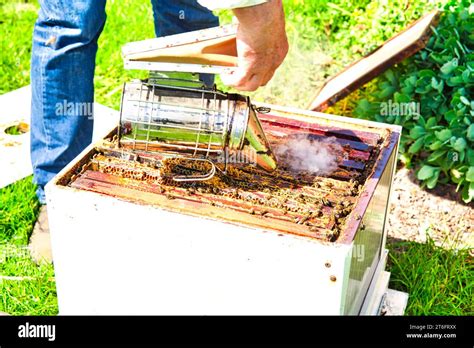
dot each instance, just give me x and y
(455, 81)
(466, 75)
(467, 193)
(456, 123)
(407, 90)
(431, 182)
(405, 158)
(417, 132)
(401, 98)
(465, 101)
(432, 122)
(364, 104)
(471, 191)
(410, 81)
(436, 155)
(416, 146)
(470, 174)
(426, 73)
(449, 67)
(423, 89)
(470, 157)
(436, 145)
(450, 115)
(391, 77)
(444, 135)
(422, 122)
(437, 85)
(470, 132)
(460, 144)
(426, 172)
(386, 92)
(458, 182)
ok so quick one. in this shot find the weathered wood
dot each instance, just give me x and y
(393, 51)
(278, 124)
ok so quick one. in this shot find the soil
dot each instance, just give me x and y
(414, 210)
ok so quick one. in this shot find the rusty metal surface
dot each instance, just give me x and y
(325, 208)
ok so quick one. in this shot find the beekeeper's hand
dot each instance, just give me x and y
(261, 45)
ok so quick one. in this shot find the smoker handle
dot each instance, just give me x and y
(187, 178)
(262, 109)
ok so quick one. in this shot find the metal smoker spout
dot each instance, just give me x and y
(256, 140)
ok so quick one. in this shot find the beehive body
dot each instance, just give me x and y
(155, 248)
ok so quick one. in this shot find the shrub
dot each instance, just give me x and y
(437, 83)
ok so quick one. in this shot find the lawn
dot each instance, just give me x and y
(324, 37)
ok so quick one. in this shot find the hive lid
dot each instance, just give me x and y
(392, 51)
(212, 50)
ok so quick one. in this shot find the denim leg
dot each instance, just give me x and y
(180, 16)
(62, 74)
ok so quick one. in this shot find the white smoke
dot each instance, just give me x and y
(316, 156)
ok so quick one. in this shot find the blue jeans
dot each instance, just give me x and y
(62, 73)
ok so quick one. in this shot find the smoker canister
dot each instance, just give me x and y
(188, 120)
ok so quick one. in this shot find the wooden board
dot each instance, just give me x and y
(393, 51)
(15, 109)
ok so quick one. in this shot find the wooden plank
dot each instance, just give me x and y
(282, 125)
(353, 164)
(274, 136)
(393, 51)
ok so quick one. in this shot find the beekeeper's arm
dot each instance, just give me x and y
(261, 40)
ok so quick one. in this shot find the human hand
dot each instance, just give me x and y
(261, 45)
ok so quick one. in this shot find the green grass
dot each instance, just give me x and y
(16, 23)
(19, 209)
(32, 290)
(324, 37)
(439, 281)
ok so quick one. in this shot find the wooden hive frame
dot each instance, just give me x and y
(368, 147)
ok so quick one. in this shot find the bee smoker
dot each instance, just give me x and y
(186, 119)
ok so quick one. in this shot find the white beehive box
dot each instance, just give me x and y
(117, 256)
